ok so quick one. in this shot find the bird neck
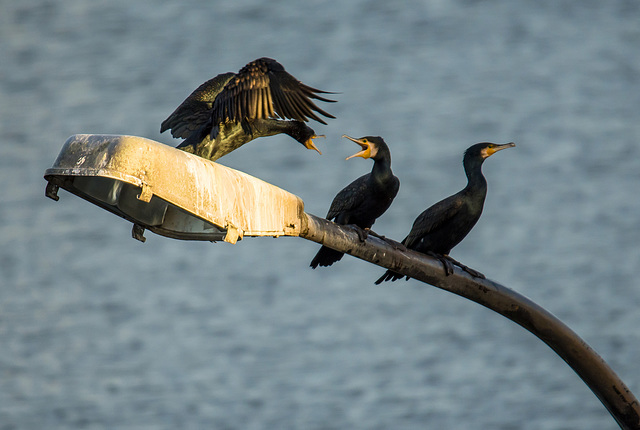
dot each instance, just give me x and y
(296, 129)
(476, 182)
(381, 171)
(271, 127)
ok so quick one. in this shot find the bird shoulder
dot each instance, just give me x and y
(350, 197)
(434, 218)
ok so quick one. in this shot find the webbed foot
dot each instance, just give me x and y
(362, 233)
(467, 269)
(445, 260)
(391, 242)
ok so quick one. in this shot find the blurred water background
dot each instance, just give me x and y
(99, 331)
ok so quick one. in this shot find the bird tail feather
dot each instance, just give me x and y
(390, 275)
(326, 257)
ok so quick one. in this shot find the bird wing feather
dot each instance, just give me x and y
(432, 219)
(263, 89)
(195, 110)
(349, 198)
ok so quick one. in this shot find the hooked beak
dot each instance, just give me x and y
(310, 145)
(491, 151)
(366, 148)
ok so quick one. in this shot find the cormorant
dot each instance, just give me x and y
(365, 199)
(232, 109)
(441, 227)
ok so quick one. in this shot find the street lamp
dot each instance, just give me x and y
(171, 192)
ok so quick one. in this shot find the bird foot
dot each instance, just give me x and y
(473, 272)
(362, 233)
(396, 245)
(467, 269)
(446, 262)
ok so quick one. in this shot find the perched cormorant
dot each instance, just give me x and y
(365, 199)
(441, 227)
(232, 109)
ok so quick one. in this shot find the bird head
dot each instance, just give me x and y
(370, 146)
(486, 149)
(304, 134)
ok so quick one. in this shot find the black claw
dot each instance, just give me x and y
(467, 269)
(374, 234)
(446, 264)
(396, 245)
(473, 272)
(399, 246)
(448, 267)
(393, 243)
(362, 234)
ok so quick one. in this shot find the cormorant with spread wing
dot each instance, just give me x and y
(365, 199)
(441, 227)
(226, 112)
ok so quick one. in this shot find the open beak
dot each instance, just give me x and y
(310, 145)
(497, 148)
(366, 148)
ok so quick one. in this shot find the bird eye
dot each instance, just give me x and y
(364, 140)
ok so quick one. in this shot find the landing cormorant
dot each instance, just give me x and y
(365, 199)
(441, 227)
(226, 112)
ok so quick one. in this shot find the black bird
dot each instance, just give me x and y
(226, 112)
(441, 227)
(365, 199)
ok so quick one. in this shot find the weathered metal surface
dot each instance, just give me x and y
(171, 192)
(593, 370)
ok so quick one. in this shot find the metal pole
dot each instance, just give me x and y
(593, 370)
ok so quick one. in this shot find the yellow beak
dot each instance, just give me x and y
(366, 148)
(310, 145)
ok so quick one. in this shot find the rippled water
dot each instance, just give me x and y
(100, 331)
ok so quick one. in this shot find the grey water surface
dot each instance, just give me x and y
(99, 331)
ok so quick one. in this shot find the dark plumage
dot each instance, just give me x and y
(232, 109)
(441, 227)
(366, 198)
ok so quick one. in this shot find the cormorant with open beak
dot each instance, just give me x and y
(365, 199)
(226, 112)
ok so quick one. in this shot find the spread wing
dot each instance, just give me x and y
(195, 111)
(349, 198)
(263, 89)
(432, 219)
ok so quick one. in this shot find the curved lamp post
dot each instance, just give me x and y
(179, 195)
